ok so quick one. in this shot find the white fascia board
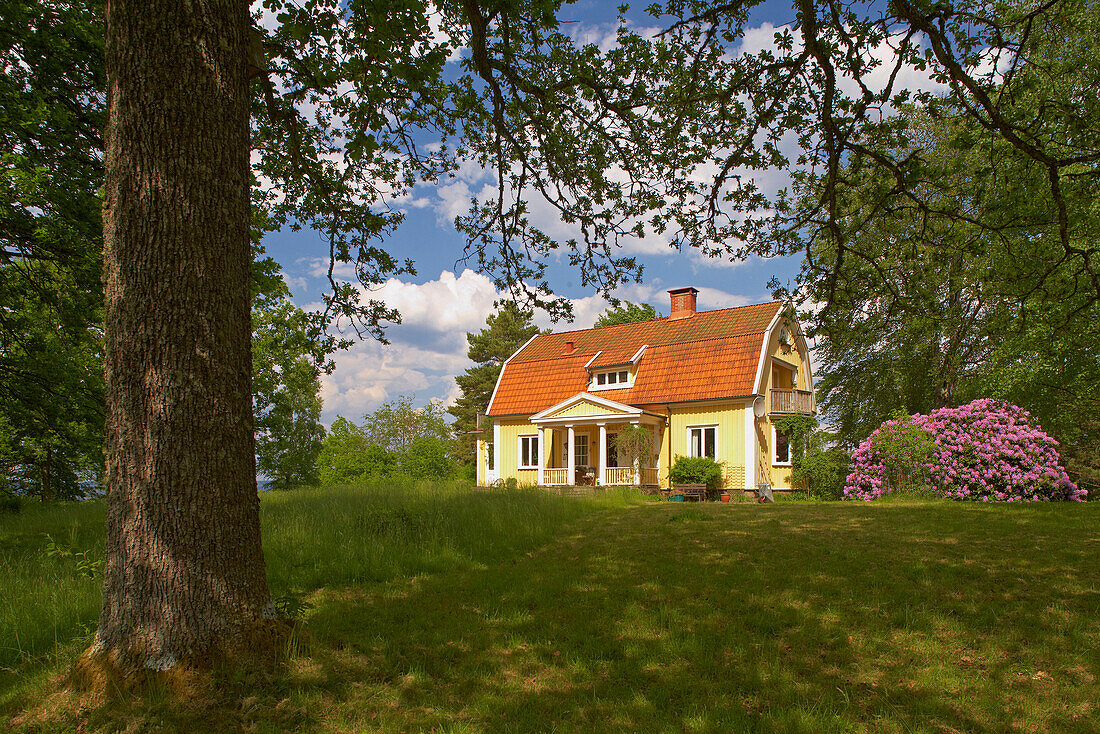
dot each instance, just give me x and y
(638, 354)
(804, 350)
(594, 358)
(758, 383)
(489, 408)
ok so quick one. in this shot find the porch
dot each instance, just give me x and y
(616, 476)
(575, 446)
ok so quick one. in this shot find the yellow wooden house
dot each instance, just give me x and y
(705, 383)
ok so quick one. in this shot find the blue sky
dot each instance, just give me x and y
(445, 300)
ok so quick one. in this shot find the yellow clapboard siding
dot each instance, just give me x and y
(727, 418)
(779, 356)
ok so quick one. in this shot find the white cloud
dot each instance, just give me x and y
(294, 284)
(453, 201)
(428, 349)
(448, 304)
(425, 352)
(439, 35)
(712, 298)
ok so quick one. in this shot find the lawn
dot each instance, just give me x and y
(438, 609)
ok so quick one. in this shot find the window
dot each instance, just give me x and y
(528, 452)
(701, 441)
(782, 446)
(581, 449)
(612, 451)
(611, 380)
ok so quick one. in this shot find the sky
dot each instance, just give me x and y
(445, 300)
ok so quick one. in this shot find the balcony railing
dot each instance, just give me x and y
(796, 402)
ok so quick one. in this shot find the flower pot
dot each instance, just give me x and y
(725, 496)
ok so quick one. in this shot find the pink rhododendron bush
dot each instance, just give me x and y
(986, 451)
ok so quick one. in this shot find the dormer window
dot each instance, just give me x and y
(613, 375)
(611, 379)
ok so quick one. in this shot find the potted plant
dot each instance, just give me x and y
(725, 496)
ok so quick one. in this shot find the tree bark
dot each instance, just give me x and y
(185, 578)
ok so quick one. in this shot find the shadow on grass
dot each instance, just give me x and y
(483, 616)
(815, 620)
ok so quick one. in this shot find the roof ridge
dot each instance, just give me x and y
(556, 358)
(661, 318)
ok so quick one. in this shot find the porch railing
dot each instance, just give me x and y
(797, 402)
(556, 476)
(623, 475)
(619, 475)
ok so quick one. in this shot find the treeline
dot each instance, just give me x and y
(394, 440)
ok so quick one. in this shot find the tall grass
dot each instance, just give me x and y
(312, 538)
(47, 600)
(376, 532)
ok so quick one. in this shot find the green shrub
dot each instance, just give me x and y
(821, 472)
(697, 470)
(347, 457)
(10, 503)
(427, 457)
(818, 469)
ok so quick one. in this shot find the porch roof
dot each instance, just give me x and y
(601, 410)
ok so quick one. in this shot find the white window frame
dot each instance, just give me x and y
(533, 450)
(703, 442)
(775, 445)
(593, 383)
(587, 449)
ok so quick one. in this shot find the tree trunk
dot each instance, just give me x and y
(185, 579)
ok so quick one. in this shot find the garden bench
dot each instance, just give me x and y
(690, 491)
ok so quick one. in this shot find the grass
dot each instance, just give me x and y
(438, 609)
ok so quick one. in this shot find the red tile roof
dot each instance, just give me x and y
(708, 356)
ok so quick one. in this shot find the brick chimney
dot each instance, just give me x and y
(683, 302)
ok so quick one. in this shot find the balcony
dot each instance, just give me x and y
(793, 402)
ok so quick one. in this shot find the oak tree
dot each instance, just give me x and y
(662, 134)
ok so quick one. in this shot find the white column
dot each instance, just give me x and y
(480, 462)
(751, 447)
(602, 477)
(542, 455)
(571, 477)
(655, 450)
(637, 462)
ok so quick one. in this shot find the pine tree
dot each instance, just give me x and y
(505, 331)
